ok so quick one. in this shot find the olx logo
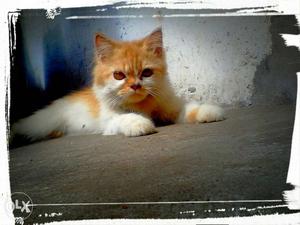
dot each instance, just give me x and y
(21, 205)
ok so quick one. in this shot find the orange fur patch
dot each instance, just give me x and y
(147, 106)
(55, 134)
(88, 97)
(150, 107)
(192, 116)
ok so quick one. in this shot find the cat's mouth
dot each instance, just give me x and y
(136, 96)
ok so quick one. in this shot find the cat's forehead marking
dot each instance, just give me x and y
(132, 60)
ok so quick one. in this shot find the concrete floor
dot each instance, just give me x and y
(244, 157)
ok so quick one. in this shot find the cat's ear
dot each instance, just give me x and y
(154, 42)
(104, 46)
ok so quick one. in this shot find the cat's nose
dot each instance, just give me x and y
(136, 86)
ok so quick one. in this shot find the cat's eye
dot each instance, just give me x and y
(118, 75)
(147, 73)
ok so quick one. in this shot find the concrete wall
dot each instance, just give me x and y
(275, 77)
(210, 59)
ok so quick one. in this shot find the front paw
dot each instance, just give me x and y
(130, 125)
(204, 113)
(137, 125)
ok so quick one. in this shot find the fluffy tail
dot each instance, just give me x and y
(41, 123)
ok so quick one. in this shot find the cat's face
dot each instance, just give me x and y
(127, 72)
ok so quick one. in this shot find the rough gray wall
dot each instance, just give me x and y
(214, 59)
(275, 78)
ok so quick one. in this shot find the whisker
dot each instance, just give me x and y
(156, 93)
(112, 100)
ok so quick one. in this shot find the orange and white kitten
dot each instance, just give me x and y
(130, 92)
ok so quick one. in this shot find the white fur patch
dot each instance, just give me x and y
(210, 113)
(130, 124)
(78, 120)
(205, 113)
(62, 115)
(42, 122)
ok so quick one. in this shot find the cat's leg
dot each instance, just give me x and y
(129, 124)
(193, 112)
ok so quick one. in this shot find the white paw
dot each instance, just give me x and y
(130, 125)
(203, 113)
(137, 125)
(210, 113)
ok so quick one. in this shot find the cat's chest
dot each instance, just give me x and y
(158, 111)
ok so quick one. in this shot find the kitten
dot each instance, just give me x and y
(129, 93)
